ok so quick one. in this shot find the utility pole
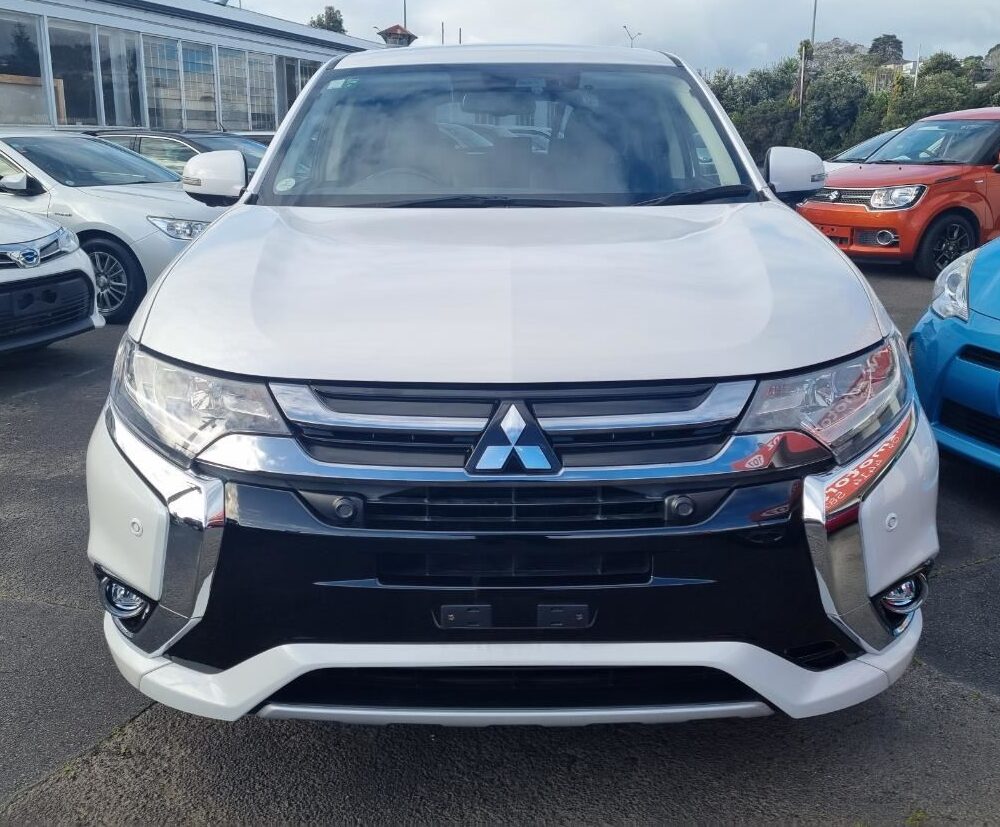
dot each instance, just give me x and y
(404, 14)
(459, 35)
(916, 68)
(632, 38)
(442, 33)
(802, 60)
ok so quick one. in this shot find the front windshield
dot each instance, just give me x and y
(523, 135)
(77, 161)
(941, 142)
(252, 150)
(860, 152)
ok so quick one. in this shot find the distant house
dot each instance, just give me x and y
(885, 75)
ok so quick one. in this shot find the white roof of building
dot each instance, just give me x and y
(484, 53)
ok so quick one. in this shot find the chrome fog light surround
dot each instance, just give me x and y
(886, 238)
(906, 596)
(120, 601)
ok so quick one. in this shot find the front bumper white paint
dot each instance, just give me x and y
(234, 692)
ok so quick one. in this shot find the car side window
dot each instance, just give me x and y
(166, 152)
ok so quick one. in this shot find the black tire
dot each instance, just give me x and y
(948, 237)
(121, 283)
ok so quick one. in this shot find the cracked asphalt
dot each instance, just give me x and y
(79, 745)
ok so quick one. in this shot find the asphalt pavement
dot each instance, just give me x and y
(78, 744)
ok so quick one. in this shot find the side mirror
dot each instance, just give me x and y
(794, 174)
(216, 178)
(996, 167)
(16, 183)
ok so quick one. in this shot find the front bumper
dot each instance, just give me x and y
(253, 593)
(853, 228)
(957, 370)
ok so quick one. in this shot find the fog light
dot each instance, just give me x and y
(905, 597)
(886, 238)
(681, 508)
(121, 601)
(346, 509)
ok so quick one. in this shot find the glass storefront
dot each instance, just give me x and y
(119, 56)
(104, 76)
(21, 87)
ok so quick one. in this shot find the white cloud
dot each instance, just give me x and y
(708, 33)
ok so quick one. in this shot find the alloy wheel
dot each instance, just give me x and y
(112, 282)
(954, 241)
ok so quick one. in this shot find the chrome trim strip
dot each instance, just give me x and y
(517, 717)
(300, 404)
(284, 457)
(196, 506)
(724, 403)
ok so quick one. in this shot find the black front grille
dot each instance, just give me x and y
(869, 238)
(610, 447)
(530, 508)
(971, 422)
(844, 196)
(981, 356)
(41, 305)
(517, 688)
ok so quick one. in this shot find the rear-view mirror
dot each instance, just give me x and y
(216, 178)
(794, 174)
(15, 182)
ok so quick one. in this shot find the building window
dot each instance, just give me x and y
(307, 68)
(119, 55)
(199, 87)
(288, 83)
(261, 69)
(21, 88)
(72, 49)
(233, 108)
(163, 83)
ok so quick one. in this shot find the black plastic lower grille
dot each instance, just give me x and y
(521, 688)
(981, 356)
(969, 421)
(42, 305)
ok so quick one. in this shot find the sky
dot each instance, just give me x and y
(739, 34)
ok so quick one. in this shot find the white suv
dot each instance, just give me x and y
(576, 426)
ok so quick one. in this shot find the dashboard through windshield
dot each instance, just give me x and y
(504, 135)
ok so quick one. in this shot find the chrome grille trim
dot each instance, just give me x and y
(284, 457)
(723, 404)
(847, 195)
(300, 404)
(47, 246)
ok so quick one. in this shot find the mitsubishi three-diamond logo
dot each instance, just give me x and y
(513, 443)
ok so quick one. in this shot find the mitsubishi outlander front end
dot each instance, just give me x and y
(509, 392)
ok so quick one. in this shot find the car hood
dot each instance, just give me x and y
(511, 295)
(870, 176)
(167, 199)
(17, 226)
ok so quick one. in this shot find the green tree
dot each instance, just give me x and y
(331, 19)
(835, 101)
(870, 119)
(974, 68)
(887, 48)
(940, 62)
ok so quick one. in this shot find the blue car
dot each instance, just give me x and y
(955, 350)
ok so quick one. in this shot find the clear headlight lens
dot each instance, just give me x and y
(896, 198)
(183, 411)
(950, 298)
(846, 406)
(67, 240)
(178, 228)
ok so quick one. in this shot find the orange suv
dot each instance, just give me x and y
(929, 195)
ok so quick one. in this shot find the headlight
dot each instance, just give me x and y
(178, 227)
(950, 298)
(67, 240)
(846, 406)
(183, 411)
(896, 198)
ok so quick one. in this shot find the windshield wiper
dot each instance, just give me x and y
(698, 196)
(487, 201)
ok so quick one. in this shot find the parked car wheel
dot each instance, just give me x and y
(120, 281)
(947, 238)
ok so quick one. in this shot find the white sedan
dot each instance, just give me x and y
(131, 215)
(47, 289)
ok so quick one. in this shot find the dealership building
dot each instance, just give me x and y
(163, 64)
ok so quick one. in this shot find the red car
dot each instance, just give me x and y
(929, 195)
